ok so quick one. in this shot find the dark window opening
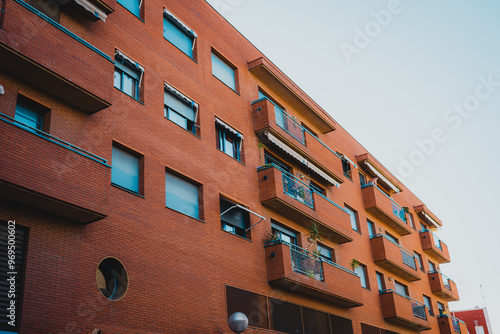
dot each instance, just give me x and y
(234, 221)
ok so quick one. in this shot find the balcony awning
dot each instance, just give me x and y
(381, 177)
(301, 159)
(131, 62)
(92, 9)
(181, 96)
(349, 160)
(228, 128)
(179, 23)
(430, 219)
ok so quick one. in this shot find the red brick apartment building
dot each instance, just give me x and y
(158, 173)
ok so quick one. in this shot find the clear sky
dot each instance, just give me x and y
(418, 84)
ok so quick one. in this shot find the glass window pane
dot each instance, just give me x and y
(125, 170)
(380, 282)
(29, 113)
(354, 223)
(315, 322)
(178, 37)
(118, 79)
(285, 317)
(254, 306)
(400, 288)
(223, 72)
(129, 85)
(371, 229)
(360, 270)
(182, 196)
(132, 6)
(324, 252)
(176, 118)
(341, 325)
(180, 106)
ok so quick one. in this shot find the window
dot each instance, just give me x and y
(18, 257)
(341, 325)
(254, 306)
(362, 178)
(50, 8)
(392, 238)
(178, 33)
(346, 167)
(420, 261)
(229, 140)
(224, 72)
(112, 278)
(432, 266)
(317, 188)
(371, 228)
(270, 159)
(354, 220)
(128, 75)
(361, 271)
(182, 195)
(441, 308)
(285, 317)
(428, 304)
(30, 113)
(326, 252)
(234, 221)
(180, 109)
(125, 170)
(380, 281)
(422, 227)
(133, 6)
(315, 322)
(412, 221)
(284, 233)
(401, 288)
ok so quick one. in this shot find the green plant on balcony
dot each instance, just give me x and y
(313, 237)
(354, 264)
(271, 236)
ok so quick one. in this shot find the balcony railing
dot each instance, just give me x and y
(407, 256)
(437, 241)
(397, 210)
(446, 279)
(297, 189)
(451, 322)
(456, 325)
(306, 263)
(417, 307)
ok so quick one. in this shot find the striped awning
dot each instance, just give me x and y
(382, 177)
(92, 9)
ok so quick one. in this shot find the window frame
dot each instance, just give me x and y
(225, 224)
(122, 73)
(356, 218)
(420, 261)
(222, 134)
(182, 29)
(372, 230)
(193, 183)
(281, 229)
(24, 103)
(130, 10)
(140, 176)
(380, 281)
(428, 300)
(346, 168)
(229, 65)
(407, 291)
(365, 277)
(191, 126)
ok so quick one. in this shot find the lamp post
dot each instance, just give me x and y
(238, 322)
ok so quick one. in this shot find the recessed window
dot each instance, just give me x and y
(380, 281)
(441, 308)
(315, 321)
(341, 325)
(270, 159)
(432, 266)
(391, 237)
(354, 218)
(48, 7)
(30, 113)
(401, 289)
(284, 233)
(133, 6)
(223, 71)
(253, 305)
(317, 188)
(180, 109)
(125, 170)
(362, 178)
(112, 279)
(128, 75)
(325, 252)
(422, 227)
(412, 221)
(420, 261)
(428, 304)
(371, 228)
(182, 195)
(234, 219)
(229, 140)
(346, 168)
(285, 317)
(177, 33)
(362, 272)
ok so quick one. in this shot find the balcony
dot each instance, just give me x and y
(290, 197)
(451, 325)
(391, 256)
(68, 182)
(404, 311)
(43, 53)
(298, 270)
(434, 247)
(385, 208)
(268, 117)
(268, 73)
(443, 286)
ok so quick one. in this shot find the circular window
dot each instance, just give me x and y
(112, 278)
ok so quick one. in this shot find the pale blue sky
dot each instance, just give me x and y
(429, 57)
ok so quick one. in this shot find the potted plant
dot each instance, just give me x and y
(271, 236)
(354, 264)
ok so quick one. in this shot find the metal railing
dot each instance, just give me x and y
(295, 188)
(397, 210)
(437, 241)
(456, 325)
(407, 257)
(306, 262)
(446, 279)
(53, 139)
(279, 114)
(418, 308)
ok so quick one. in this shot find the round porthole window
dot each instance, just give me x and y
(112, 278)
